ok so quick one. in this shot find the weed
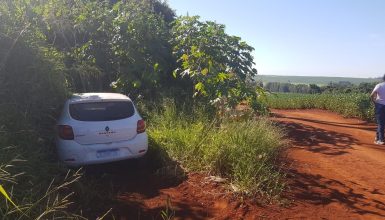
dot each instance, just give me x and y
(243, 151)
(168, 213)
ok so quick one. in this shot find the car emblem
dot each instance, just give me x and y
(107, 128)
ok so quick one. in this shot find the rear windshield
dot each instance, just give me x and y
(102, 111)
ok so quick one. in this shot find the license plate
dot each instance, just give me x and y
(107, 153)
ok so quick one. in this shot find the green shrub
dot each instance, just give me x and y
(244, 152)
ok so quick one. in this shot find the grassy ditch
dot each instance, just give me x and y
(356, 105)
(38, 186)
(243, 151)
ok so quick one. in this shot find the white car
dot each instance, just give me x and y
(100, 128)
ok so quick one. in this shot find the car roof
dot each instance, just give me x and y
(97, 97)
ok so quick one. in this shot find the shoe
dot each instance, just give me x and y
(379, 142)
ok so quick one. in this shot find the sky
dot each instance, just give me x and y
(303, 37)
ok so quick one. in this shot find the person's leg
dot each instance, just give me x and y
(380, 122)
(381, 128)
(380, 117)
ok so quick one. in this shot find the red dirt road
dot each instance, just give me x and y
(335, 172)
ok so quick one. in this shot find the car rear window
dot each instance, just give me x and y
(101, 111)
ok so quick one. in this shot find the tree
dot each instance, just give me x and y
(32, 73)
(123, 44)
(219, 65)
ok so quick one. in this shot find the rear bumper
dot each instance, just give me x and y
(72, 153)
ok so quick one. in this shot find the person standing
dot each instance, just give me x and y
(378, 98)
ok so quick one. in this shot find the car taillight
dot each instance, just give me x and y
(65, 132)
(141, 126)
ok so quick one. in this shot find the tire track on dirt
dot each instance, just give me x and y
(337, 171)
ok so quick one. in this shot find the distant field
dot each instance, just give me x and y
(356, 105)
(312, 79)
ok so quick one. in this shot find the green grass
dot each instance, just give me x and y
(356, 105)
(39, 189)
(244, 152)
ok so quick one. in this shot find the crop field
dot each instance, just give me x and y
(356, 105)
(318, 80)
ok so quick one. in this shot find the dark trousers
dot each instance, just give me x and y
(380, 117)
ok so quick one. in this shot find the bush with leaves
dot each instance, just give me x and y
(219, 65)
(122, 44)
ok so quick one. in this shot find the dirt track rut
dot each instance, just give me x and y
(334, 172)
(337, 171)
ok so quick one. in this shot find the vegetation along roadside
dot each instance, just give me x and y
(51, 49)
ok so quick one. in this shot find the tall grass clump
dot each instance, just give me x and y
(32, 196)
(243, 151)
(356, 105)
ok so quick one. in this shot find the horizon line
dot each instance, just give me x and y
(353, 77)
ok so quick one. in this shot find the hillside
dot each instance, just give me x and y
(319, 80)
